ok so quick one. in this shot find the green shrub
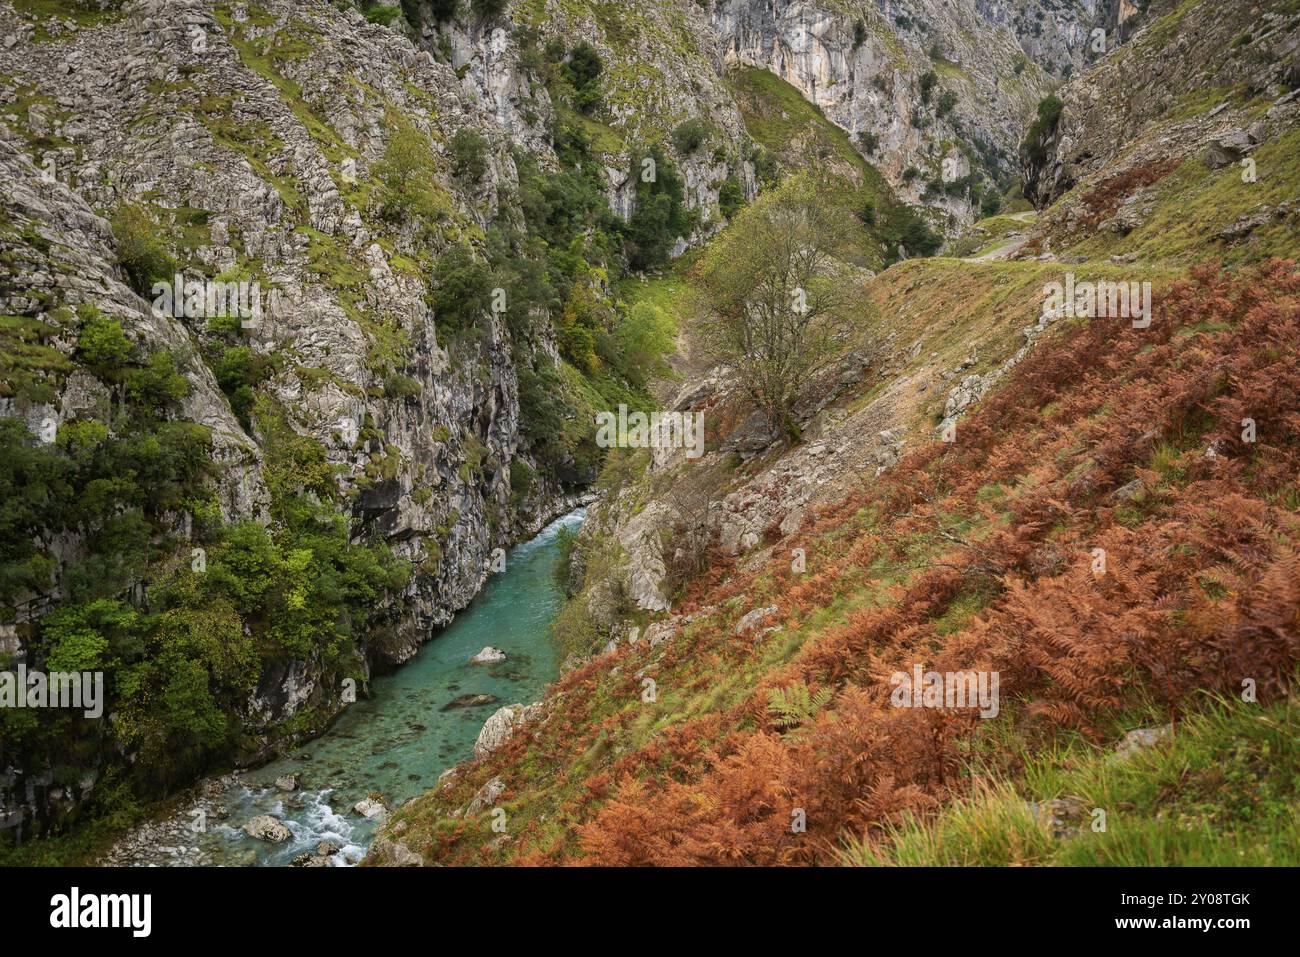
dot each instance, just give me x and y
(690, 135)
(406, 174)
(157, 385)
(102, 346)
(489, 10)
(239, 371)
(583, 73)
(140, 251)
(1041, 130)
(928, 79)
(731, 197)
(918, 238)
(644, 335)
(659, 215)
(859, 33)
(522, 477)
(414, 15)
(469, 154)
(381, 13)
(441, 10)
(401, 386)
(463, 290)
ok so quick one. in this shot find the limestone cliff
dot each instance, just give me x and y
(248, 134)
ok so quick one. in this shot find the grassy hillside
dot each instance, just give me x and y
(977, 554)
(788, 127)
(1192, 204)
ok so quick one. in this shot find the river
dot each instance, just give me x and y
(397, 741)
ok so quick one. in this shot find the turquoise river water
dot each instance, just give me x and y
(397, 741)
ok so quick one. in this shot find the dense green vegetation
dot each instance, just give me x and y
(558, 253)
(144, 257)
(1041, 130)
(133, 484)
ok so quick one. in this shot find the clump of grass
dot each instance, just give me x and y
(1221, 791)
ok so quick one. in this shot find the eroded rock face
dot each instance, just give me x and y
(754, 619)
(865, 69)
(486, 796)
(502, 724)
(1106, 108)
(385, 852)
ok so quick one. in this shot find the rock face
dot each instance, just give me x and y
(1191, 48)
(753, 619)
(385, 852)
(240, 160)
(877, 76)
(502, 724)
(1228, 147)
(659, 71)
(485, 797)
(912, 79)
(371, 809)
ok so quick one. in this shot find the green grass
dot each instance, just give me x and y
(604, 139)
(39, 144)
(1224, 790)
(778, 117)
(29, 368)
(797, 132)
(990, 233)
(85, 14)
(1193, 203)
(948, 69)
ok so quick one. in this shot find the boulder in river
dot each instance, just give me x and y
(264, 827)
(470, 701)
(488, 655)
(287, 782)
(370, 809)
(502, 724)
(310, 860)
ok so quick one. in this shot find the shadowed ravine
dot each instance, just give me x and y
(397, 741)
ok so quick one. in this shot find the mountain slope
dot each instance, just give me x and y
(1101, 512)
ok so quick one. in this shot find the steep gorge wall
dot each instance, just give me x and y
(239, 129)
